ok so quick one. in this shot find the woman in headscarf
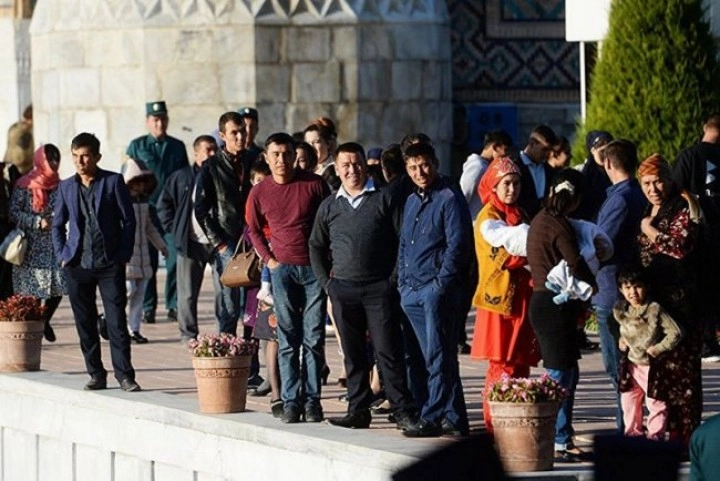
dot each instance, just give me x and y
(31, 209)
(668, 241)
(503, 334)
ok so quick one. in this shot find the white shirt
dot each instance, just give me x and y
(473, 170)
(355, 201)
(537, 172)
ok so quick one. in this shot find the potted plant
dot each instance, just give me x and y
(21, 333)
(524, 413)
(222, 364)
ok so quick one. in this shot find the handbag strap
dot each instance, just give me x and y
(239, 243)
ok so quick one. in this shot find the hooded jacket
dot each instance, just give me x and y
(139, 266)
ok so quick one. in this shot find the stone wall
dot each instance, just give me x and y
(379, 68)
(51, 430)
(14, 74)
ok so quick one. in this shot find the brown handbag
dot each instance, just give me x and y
(243, 269)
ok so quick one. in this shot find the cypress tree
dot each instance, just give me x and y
(656, 78)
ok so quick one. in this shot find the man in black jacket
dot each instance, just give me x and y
(175, 211)
(697, 169)
(220, 195)
(535, 174)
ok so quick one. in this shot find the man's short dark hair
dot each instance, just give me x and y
(351, 148)
(86, 140)
(622, 155)
(391, 160)
(545, 133)
(259, 167)
(420, 150)
(204, 138)
(229, 117)
(416, 138)
(280, 138)
(713, 121)
(497, 137)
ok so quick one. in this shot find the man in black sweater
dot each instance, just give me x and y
(353, 250)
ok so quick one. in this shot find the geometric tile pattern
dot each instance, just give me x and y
(177, 10)
(529, 10)
(488, 66)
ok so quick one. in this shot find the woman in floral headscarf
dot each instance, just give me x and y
(503, 334)
(31, 209)
(668, 244)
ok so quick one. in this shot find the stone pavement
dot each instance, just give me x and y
(165, 365)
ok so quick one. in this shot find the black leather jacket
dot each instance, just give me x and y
(220, 195)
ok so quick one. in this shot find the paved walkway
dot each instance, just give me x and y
(164, 365)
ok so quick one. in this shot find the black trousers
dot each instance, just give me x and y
(82, 284)
(363, 307)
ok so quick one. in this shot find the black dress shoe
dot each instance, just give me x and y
(172, 315)
(96, 383)
(291, 414)
(404, 418)
(148, 317)
(129, 385)
(449, 429)
(314, 414)
(423, 429)
(138, 338)
(355, 420)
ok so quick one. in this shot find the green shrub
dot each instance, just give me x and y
(656, 78)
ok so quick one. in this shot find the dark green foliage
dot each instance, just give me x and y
(657, 77)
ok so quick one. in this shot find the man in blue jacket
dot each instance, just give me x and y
(619, 217)
(93, 233)
(433, 259)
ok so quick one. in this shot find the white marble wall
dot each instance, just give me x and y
(379, 68)
(51, 430)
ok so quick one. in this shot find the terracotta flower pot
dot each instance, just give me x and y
(525, 434)
(222, 383)
(20, 345)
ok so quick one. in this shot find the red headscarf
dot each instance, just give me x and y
(655, 165)
(493, 175)
(40, 180)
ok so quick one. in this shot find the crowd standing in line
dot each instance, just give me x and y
(394, 260)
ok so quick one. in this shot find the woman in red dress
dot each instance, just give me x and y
(503, 334)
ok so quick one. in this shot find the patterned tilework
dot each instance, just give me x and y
(512, 50)
(532, 10)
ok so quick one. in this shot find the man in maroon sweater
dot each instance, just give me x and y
(287, 202)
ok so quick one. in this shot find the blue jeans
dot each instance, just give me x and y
(568, 378)
(610, 357)
(300, 310)
(228, 301)
(434, 319)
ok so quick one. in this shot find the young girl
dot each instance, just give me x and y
(261, 316)
(141, 182)
(503, 334)
(646, 332)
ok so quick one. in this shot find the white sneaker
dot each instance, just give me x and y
(711, 358)
(265, 296)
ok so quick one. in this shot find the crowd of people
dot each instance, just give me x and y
(394, 254)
